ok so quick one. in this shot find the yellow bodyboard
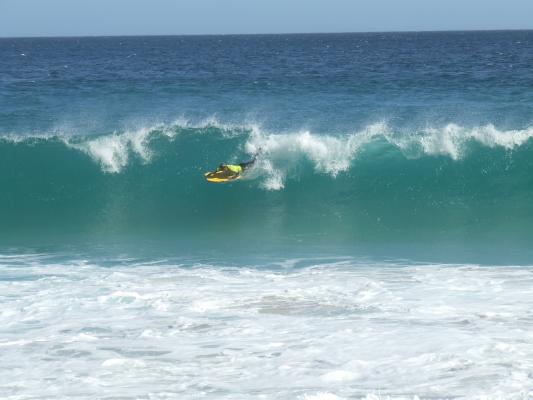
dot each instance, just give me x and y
(221, 176)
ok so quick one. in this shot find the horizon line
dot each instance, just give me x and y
(264, 34)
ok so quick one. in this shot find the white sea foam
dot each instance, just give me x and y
(113, 151)
(451, 139)
(332, 330)
(338, 376)
(281, 152)
(321, 396)
(333, 154)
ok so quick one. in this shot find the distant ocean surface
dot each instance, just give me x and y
(380, 248)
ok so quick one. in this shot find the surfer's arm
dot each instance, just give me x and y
(248, 164)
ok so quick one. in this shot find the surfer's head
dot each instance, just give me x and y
(221, 166)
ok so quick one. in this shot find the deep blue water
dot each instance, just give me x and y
(414, 140)
(331, 83)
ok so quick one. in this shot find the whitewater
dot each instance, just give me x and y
(380, 247)
(278, 152)
(293, 328)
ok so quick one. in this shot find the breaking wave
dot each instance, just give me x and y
(378, 178)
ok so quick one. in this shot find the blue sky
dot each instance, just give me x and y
(140, 17)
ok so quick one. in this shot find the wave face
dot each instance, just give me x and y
(450, 183)
(395, 139)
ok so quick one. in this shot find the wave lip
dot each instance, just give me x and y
(334, 154)
(451, 139)
(281, 152)
(112, 152)
(283, 156)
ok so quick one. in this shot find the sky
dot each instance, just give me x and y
(178, 17)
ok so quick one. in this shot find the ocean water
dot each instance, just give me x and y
(380, 248)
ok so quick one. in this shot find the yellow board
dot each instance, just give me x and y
(221, 176)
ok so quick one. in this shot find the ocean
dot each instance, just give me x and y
(380, 247)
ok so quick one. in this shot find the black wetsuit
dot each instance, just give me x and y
(248, 164)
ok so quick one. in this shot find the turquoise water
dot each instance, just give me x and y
(359, 191)
(380, 246)
(366, 139)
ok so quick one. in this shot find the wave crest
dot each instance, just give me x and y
(281, 153)
(334, 154)
(113, 152)
(329, 154)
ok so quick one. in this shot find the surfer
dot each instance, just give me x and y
(229, 172)
(236, 169)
